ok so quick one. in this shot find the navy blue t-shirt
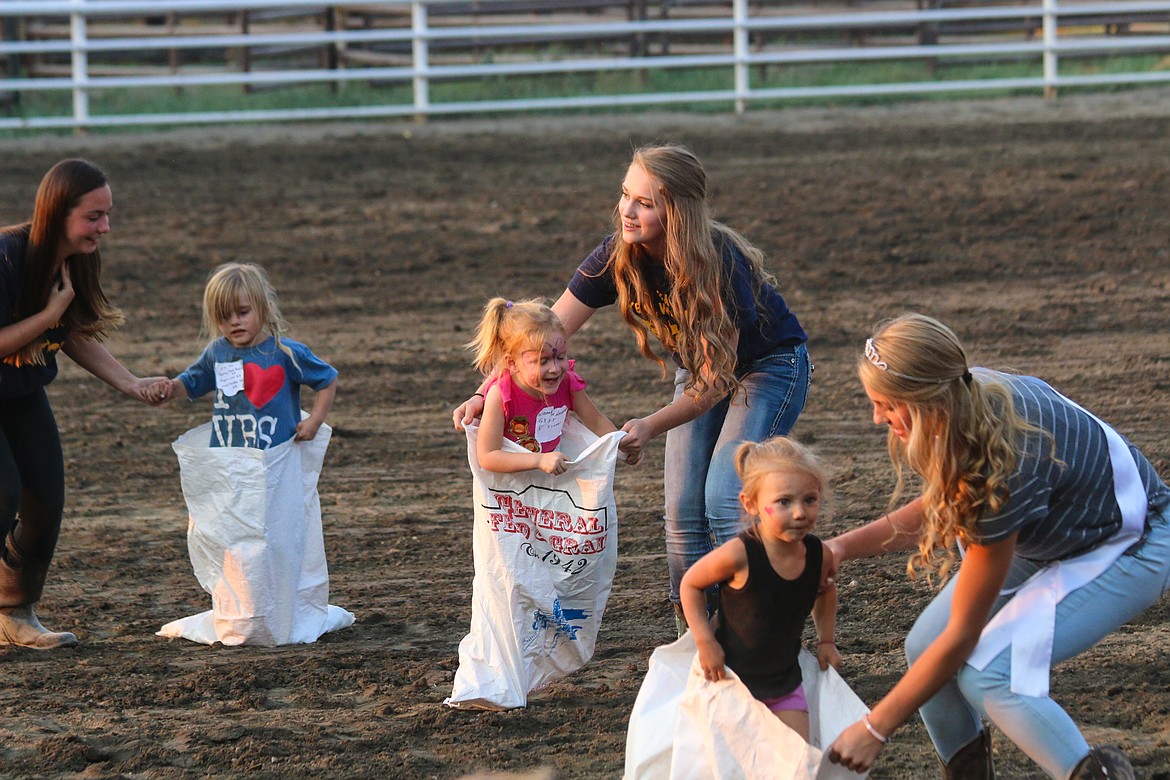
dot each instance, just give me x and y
(18, 380)
(758, 310)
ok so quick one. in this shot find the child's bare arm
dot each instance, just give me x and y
(597, 422)
(308, 427)
(503, 462)
(725, 564)
(489, 444)
(589, 414)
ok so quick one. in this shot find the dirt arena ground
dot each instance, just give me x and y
(1037, 229)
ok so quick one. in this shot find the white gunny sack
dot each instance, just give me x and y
(545, 550)
(255, 540)
(685, 727)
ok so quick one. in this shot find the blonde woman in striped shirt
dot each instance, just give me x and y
(1044, 500)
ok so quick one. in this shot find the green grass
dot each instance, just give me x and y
(647, 81)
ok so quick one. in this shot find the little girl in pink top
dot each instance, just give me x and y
(531, 387)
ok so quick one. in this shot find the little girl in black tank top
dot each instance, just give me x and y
(771, 577)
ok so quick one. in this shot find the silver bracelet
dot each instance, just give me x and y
(874, 732)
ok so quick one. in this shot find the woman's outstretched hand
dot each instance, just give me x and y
(855, 749)
(153, 390)
(832, 552)
(632, 455)
(467, 411)
(638, 433)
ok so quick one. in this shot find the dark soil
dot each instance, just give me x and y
(1037, 230)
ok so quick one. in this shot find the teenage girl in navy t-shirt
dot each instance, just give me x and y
(700, 289)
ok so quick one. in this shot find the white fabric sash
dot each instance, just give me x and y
(1028, 621)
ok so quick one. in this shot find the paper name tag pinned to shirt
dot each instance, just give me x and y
(550, 422)
(229, 377)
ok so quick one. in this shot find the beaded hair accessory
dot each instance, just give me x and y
(874, 357)
(872, 354)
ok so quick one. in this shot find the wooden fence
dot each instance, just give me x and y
(91, 47)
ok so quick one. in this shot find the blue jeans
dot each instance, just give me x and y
(1036, 724)
(701, 486)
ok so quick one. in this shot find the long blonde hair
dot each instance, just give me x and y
(694, 268)
(507, 329)
(965, 432)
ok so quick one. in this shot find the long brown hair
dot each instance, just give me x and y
(694, 268)
(90, 314)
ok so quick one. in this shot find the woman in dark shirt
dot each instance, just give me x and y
(700, 289)
(50, 300)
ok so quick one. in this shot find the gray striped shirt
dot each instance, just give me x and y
(1065, 506)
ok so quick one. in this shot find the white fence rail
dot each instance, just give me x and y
(739, 39)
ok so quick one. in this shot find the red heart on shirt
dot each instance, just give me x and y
(262, 384)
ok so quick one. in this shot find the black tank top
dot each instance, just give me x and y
(761, 624)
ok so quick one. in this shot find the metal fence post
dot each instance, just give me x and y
(741, 47)
(1051, 14)
(420, 56)
(80, 65)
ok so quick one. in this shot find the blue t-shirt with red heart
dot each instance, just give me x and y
(257, 389)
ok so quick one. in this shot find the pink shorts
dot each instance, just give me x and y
(789, 701)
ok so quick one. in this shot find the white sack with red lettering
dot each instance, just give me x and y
(685, 727)
(255, 540)
(545, 550)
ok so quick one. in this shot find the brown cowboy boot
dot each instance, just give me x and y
(1103, 763)
(973, 761)
(680, 619)
(20, 588)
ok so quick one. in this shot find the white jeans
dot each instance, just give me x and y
(1036, 724)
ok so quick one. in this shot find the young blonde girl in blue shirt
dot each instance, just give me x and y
(255, 371)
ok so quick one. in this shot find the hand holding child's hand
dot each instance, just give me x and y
(828, 655)
(155, 390)
(553, 463)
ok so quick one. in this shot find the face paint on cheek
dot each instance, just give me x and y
(768, 510)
